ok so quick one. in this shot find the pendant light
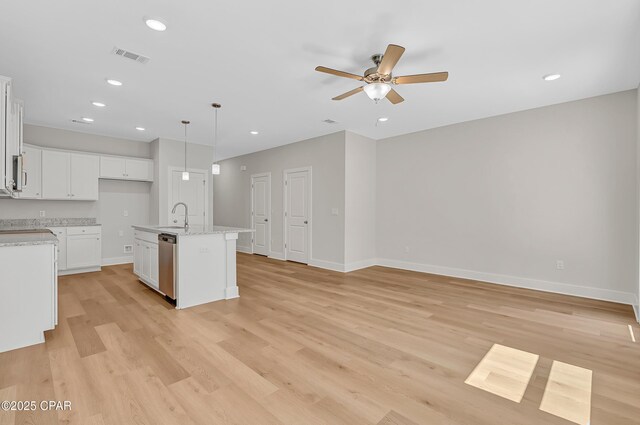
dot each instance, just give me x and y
(215, 167)
(185, 173)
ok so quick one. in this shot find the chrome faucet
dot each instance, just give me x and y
(186, 213)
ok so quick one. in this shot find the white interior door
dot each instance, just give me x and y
(193, 193)
(261, 213)
(297, 215)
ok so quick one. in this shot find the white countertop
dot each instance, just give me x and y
(193, 230)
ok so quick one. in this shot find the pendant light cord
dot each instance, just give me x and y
(185, 147)
(215, 135)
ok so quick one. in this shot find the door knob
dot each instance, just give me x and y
(175, 221)
(306, 222)
(266, 219)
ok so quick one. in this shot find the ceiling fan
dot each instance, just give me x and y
(379, 78)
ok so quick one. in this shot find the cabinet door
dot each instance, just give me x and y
(137, 257)
(83, 251)
(146, 260)
(153, 265)
(112, 167)
(84, 176)
(33, 167)
(61, 234)
(55, 175)
(137, 169)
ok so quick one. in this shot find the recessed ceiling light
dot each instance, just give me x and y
(383, 119)
(98, 104)
(114, 82)
(253, 132)
(87, 119)
(140, 128)
(551, 77)
(155, 24)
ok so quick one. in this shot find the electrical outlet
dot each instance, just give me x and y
(243, 168)
(128, 249)
(125, 213)
(204, 250)
(42, 213)
(334, 211)
(560, 264)
(120, 233)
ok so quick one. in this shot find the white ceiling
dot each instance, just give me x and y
(257, 58)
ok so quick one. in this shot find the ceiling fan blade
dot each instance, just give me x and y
(347, 94)
(390, 59)
(422, 78)
(338, 73)
(394, 97)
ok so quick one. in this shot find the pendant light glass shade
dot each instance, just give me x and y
(215, 168)
(185, 173)
(377, 91)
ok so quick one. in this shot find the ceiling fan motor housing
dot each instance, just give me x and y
(371, 75)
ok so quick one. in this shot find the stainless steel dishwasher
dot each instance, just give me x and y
(166, 263)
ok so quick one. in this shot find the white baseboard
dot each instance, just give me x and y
(328, 265)
(519, 282)
(245, 249)
(117, 260)
(362, 264)
(76, 271)
(277, 255)
(636, 309)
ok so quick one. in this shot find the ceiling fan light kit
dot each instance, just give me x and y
(379, 78)
(377, 91)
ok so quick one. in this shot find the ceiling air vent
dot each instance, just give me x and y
(130, 55)
(329, 121)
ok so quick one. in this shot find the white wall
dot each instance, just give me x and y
(232, 194)
(114, 196)
(501, 199)
(360, 201)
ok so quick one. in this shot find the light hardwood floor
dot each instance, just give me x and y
(308, 346)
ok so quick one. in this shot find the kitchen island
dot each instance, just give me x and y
(202, 266)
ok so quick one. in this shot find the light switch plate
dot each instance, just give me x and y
(125, 213)
(334, 211)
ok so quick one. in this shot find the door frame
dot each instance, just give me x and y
(285, 218)
(268, 176)
(206, 191)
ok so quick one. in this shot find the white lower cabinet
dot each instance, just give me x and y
(79, 248)
(145, 258)
(61, 234)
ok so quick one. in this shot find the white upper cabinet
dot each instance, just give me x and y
(70, 176)
(112, 167)
(32, 188)
(119, 168)
(56, 167)
(139, 169)
(84, 177)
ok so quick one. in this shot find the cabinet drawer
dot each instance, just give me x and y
(146, 236)
(83, 230)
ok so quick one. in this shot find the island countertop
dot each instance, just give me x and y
(17, 238)
(192, 230)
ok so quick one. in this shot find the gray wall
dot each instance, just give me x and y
(360, 201)
(76, 141)
(637, 304)
(114, 198)
(504, 198)
(232, 193)
(170, 153)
